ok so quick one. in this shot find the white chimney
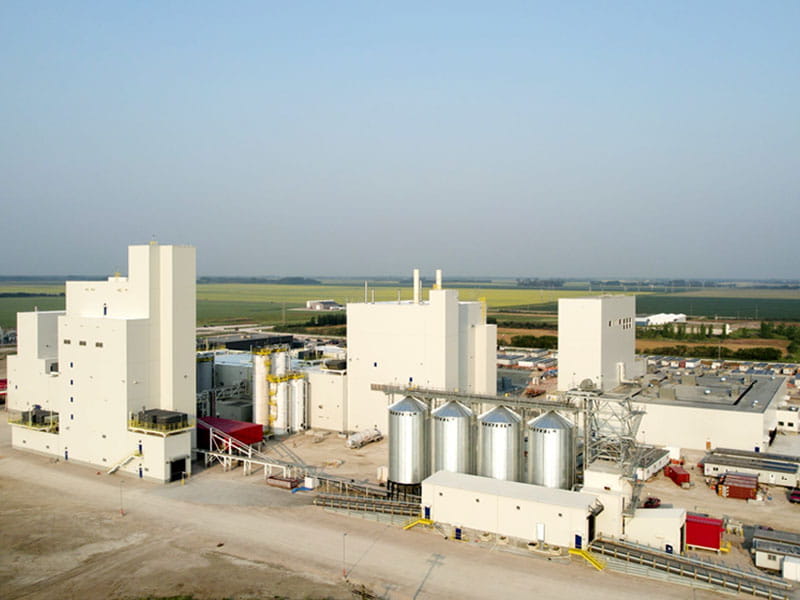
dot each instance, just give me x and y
(416, 286)
(438, 279)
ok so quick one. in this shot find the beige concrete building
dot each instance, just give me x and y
(82, 377)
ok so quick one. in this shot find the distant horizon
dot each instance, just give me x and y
(423, 277)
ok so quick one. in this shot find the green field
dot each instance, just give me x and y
(276, 303)
(773, 308)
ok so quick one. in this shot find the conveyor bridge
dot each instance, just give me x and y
(688, 569)
(368, 504)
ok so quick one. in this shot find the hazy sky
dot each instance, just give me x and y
(530, 139)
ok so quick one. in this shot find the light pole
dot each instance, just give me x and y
(344, 569)
(121, 509)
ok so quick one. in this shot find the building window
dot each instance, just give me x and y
(374, 364)
(780, 423)
(71, 399)
(67, 341)
(71, 382)
(72, 417)
(98, 344)
(477, 499)
(82, 343)
(71, 364)
(517, 507)
(771, 557)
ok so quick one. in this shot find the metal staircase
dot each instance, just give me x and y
(121, 463)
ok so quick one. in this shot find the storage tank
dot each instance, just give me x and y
(298, 404)
(281, 409)
(205, 372)
(453, 448)
(281, 363)
(551, 451)
(499, 444)
(260, 389)
(409, 447)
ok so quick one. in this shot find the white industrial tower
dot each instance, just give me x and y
(596, 341)
(438, 343)
(110, 381)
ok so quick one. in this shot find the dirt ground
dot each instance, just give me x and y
(223, 535)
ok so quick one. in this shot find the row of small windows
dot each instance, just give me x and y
(83, 343)
(781, 423)
(626, 323)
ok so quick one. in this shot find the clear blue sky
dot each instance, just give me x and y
(560, 139)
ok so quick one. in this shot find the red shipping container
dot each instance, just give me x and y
(704, 532)
(738, 485)
(677, 473)
(247, 433)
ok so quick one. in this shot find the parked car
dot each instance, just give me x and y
(794, 496)
(652, 502)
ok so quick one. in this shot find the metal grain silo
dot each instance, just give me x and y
(453, 449)
(551, 451)
(499, 444)
(409, 446)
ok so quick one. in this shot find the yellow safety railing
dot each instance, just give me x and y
(588, 557)
(51, 427)
(160, 427)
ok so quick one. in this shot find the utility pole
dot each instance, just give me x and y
(344, 569)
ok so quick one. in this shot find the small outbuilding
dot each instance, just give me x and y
(512, 509)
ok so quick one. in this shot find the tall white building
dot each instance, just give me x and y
(439, 343)
(110, 381)
(596, 341)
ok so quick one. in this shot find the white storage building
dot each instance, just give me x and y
(508, 508)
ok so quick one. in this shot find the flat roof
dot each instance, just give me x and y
(512, 489)
(244, 359)
(739, 392)
(784, 537)
(659, 513)
(760, 545)
(751, 463)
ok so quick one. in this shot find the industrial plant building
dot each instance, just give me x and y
(440, 343)
(110, 381)
(596, 342)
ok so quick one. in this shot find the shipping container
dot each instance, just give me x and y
(738, 485)
(678, 474)
(287, 483)
(704, 532)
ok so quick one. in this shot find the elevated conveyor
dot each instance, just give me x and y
(722, 577)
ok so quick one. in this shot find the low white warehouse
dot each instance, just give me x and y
(512, 509)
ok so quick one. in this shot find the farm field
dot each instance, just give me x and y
(277, 303)
(734, 307)
(271, 303)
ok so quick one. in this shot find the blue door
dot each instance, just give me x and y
(458, 533)
(427, 512)
(578, 542)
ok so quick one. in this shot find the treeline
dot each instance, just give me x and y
(676, 331)
(29, 295)
(757, 353)
(281, 280)
(535, 282)
(548, 342)
(521, 324)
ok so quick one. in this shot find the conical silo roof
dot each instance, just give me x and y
(452, 409)
(409, 405)
(500, 414)
(550, 420)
